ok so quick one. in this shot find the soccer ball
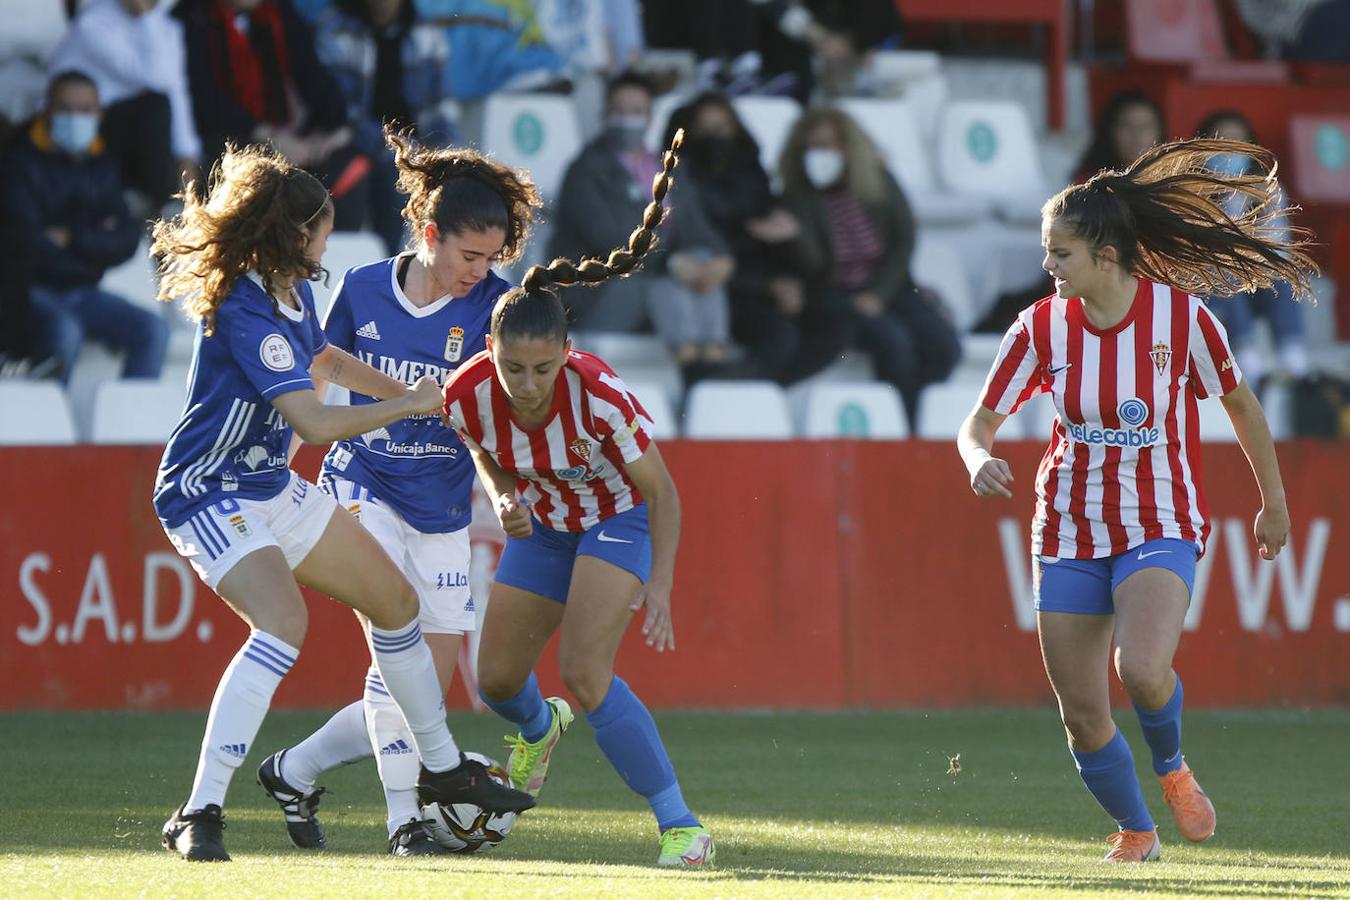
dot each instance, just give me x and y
(466, 828)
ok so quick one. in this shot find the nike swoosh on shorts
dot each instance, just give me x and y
(603, 538)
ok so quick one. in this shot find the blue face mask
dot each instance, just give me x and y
(1230, 163)
(73, 132)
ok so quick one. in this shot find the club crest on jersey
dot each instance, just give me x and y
(582, 448)
(454, 344)
(1161, 353)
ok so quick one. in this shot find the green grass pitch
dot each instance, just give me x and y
(847, 804)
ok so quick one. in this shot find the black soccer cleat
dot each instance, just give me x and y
(198, 836)
(300, 810)
(412, 838)
(469, 782)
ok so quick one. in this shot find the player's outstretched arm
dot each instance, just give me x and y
(1253, 434)
(340, 367)
(512, 513)
(318, 423)
(989, 475)
(653, 481)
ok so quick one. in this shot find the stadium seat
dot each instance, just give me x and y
(135, 279)
(663, 107)
(134, 411)
(1321, 145)
(737, 410)
(538, 132)
(635, 357)
(1215, 426)
(346, 250)
(943, 407)
(1168, 31)
(858, 409)
(893, 127)
(938, 265)
(768, 119)
(33, 413)
(987, 148)
(654, 398)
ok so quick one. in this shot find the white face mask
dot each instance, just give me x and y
(823, 167)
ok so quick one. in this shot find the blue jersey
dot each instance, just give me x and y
(231, 441)
(417, 466)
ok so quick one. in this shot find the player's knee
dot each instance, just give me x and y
(496, 683)
(586, 681)
(1144, 680)
(397, 606)
(289, 624)
(1087, 728)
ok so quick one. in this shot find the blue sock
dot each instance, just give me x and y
(526, 709)
(627, 736)
(1109, 775)
(1162, 730)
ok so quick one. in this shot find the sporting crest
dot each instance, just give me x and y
(581, 447)
(1161, 354)
(454, 344)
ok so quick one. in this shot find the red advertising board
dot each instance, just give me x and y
(811, 575)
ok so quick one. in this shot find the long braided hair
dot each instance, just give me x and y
(1165, 215)
(534, 310)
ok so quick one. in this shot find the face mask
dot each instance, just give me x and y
(627, 131)
(74, 132)
(823, 167)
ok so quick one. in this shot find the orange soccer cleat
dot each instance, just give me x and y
(1133, 846)
(1191, 809)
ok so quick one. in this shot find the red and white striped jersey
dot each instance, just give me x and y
(571, 468)
(1123, 465)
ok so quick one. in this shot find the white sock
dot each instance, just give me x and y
(394, 753)
(241, 702)
(341, 740)
(408, 672)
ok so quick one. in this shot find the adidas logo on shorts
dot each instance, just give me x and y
(239, 751)
(369, 331)
(468, 607)
(397, 748)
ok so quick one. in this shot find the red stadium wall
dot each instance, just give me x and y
(811, 575)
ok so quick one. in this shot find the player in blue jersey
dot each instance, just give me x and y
(240, 260)
(411, 483)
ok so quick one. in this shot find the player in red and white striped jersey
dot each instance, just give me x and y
(1126, 351)
(592, 519)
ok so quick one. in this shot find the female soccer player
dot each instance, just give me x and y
(250, 527)
(1126, 350)
(411, 484)
(562, 428)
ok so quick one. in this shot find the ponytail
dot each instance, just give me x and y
(535, 310)
(1165, 215)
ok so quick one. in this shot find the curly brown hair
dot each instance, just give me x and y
(535, 310)
(258, 215)
(458, 189)
(1164, 213)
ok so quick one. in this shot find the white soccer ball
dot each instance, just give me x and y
(465, 827)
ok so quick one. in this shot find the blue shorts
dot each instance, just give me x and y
(542, 563)
(1087, 586)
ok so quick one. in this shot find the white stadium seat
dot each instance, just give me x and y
(538, 132)
(938, 265)
(768, 119)
(656, 401)
(1215, 426)
(346, 250)
(943, 407)
(34, 412)
(136, 411)
(987, 148)
(860, 409)
(135, 279)
(894, 128)
(737, 410)
(662, 109)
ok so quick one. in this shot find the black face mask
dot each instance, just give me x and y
(711, 151)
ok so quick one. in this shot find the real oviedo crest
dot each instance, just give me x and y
(454, 344)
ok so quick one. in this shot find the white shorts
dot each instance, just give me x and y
(218, 537)
(437, 565)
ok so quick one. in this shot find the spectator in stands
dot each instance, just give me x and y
(1129, 124)
(853, 251)
(61, 194)
(391, 69)
(255, 77)
(603, 193)
(721, 160)
(1276, 303)
(133, 49)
